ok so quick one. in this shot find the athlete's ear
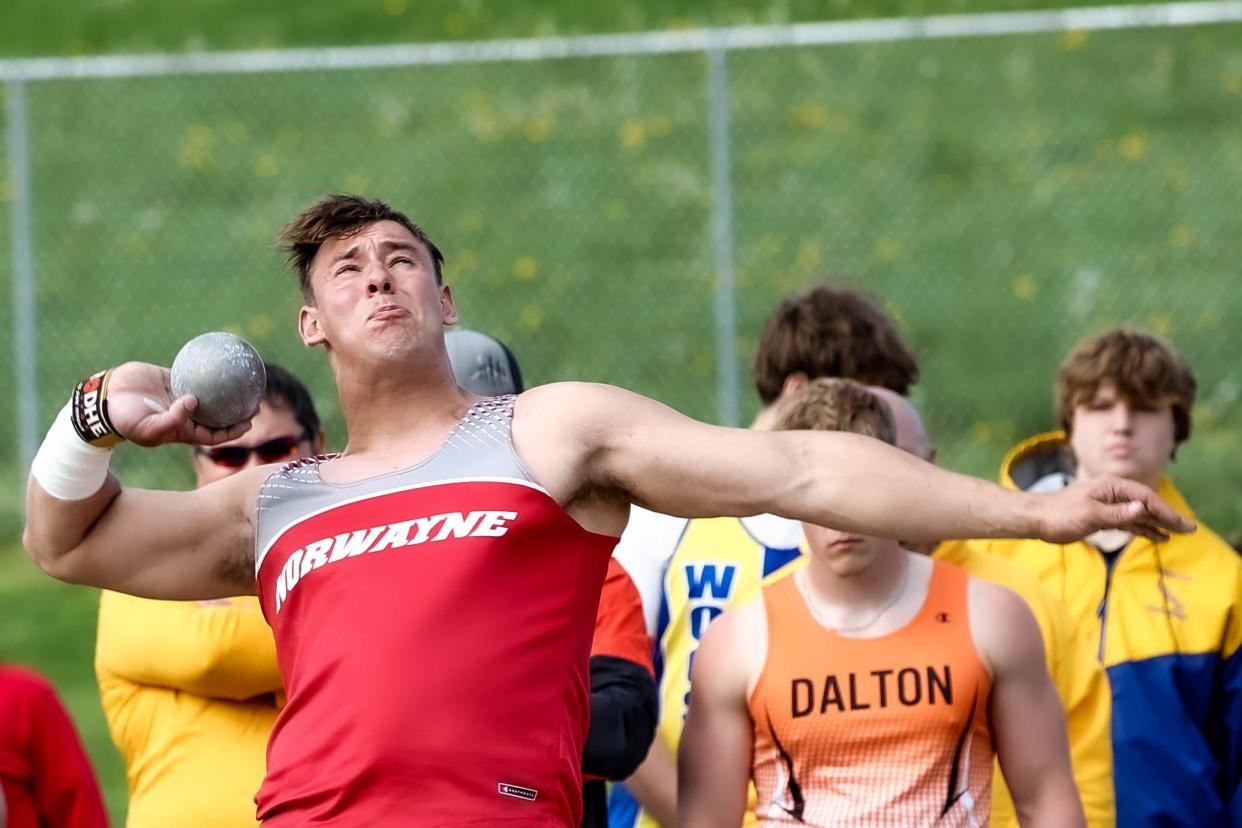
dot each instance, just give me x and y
(448, 311)
(794, 383)
(308, 327)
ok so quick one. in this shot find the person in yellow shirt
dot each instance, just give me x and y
(191, 689)
(1164, 618)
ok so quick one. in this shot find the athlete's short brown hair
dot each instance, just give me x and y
(829, 404)
(341, 216)
(1141, 367)
(832, 332)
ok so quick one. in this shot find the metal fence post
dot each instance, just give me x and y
(719, 118)
(24, 355)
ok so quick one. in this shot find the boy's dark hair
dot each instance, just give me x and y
(831, 332)
(341, 216)
(286, 391)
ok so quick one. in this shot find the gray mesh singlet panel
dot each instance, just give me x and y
(479, 446)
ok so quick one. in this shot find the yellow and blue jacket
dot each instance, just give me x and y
(1166, 621)
(190, 692)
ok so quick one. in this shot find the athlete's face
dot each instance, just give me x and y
(275, 435)
(844, 553)
(375, 292)
(1113, 435)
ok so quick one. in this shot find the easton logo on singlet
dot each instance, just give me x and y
(482, 524)
(517, 791)
(908, 687)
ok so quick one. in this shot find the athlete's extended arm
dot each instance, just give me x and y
(1028, 724)
(714, 757)
(155, 544)
(672, 464)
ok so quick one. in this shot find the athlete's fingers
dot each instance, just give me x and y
(204, 436)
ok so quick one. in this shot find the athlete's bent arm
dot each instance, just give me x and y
(1028, 724)
(714, 757)
(155, 544)
(672, 464)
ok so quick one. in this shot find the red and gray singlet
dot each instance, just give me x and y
(432, 627)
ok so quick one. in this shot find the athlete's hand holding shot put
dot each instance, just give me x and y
(151, 543)
(380, 316)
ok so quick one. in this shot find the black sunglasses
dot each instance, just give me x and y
(273, 451)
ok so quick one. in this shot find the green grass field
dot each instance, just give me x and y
(1004, 197)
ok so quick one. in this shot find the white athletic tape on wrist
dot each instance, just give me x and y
(66, 467)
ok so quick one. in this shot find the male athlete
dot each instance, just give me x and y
(1070, 658)
(190, 688)
(873, 685)
(432, 588)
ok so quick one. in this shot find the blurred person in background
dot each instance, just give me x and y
(873, 685)
(190, 689)
(623, 691)
(1165, 618)
(46, 780)
(1070, 659)
(691, 571)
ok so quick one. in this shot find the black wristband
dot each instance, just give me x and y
(88, 409)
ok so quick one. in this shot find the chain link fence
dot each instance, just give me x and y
(633, 218)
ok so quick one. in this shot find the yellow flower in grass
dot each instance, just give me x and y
(1074, 39)
(887, 250)
(1182, 236)
(538, 128)
(531, 317)
(1133, 147)
(1161, 323)
(260, 325)
(525, 268)
(266, 165)
(1024, 287)
(633, 134)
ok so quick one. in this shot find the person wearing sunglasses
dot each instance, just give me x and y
(191, 689)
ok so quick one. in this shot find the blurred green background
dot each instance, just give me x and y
(1003, 197)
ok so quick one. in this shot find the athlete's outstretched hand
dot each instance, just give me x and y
(1088, 506)
(141, 407)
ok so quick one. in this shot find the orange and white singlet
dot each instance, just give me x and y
(885, 731)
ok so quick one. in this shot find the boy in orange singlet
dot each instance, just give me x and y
(873, 686)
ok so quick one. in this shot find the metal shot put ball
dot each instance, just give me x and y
(225, 373)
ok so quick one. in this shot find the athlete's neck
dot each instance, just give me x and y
(396, 410)
(862, 590)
